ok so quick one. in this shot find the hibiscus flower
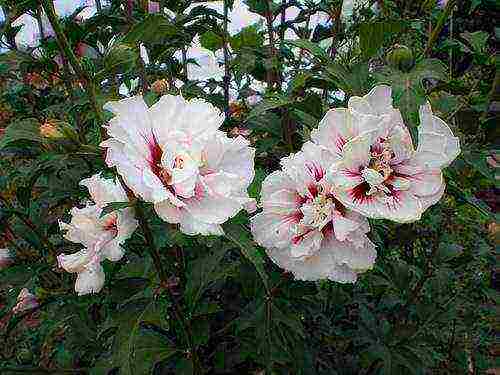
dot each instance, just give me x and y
(101, 236)
(174, 156)
(379, 173)
(305, 228)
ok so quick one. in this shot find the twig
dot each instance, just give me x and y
(271, 76)
(440, 24)
(227, 76)
(66, 50)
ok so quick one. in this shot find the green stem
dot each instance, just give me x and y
(227, 76)
(157, 262)
(439, 26)
(66, 50)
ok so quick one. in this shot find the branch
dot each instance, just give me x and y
(271, 76)
(227, 76)
(157, 262)
(66, 50)
(439, 26)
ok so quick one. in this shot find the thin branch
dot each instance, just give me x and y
(272, 79)
(227, 76)
(158, 264)
(66, 50)
(439, 26)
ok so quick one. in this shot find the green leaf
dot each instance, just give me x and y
(155, 28)
(256, 185)
(373, 35)
(211, 41)
(136, 347)
(310, 47)
(477, 160)
(202, 272)
(354, 79)
(241, 238)
(477, 40)
(268, 104)
(22, 130)
(120, 59)
(248, 37)
(114, 206)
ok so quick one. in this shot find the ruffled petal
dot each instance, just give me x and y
(91, 280)
(190, 225)
(104, 191)
(437, 146)
(358, 259)
(75, 262)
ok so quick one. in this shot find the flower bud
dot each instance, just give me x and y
(401, 57)
(55, 130)
(159, 86)
(49, 130)
(236, 109)
(25, 301)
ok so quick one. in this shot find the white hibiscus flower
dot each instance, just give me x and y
(101, 236)
(304, 227)
(174, 156)
(379, 174)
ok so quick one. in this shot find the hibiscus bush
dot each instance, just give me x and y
(249, 187)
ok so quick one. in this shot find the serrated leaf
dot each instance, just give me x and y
(373, 35)
(153, 29)
(211, 41)
(311, 47)
(22, 130)
(241, 238)
(268, 104)
(137, 348)
(201, 273)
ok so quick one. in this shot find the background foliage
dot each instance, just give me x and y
(429, 305)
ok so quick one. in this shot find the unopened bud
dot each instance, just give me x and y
(159, 86)
(25, 301)
(236, 109)
(401, 57)
(49, 130)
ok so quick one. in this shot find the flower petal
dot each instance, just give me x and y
(91, 280)
(437, 147)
